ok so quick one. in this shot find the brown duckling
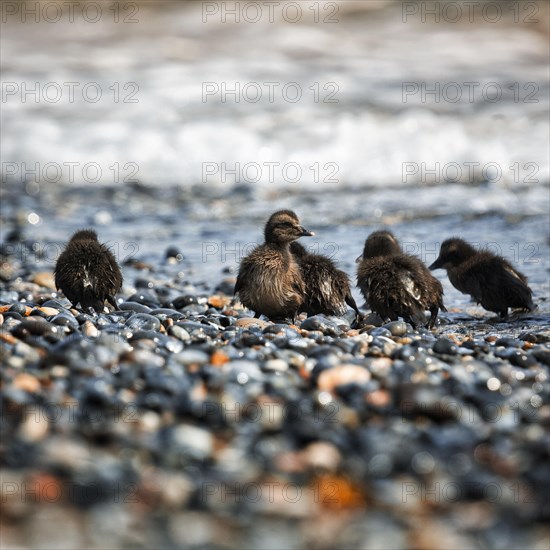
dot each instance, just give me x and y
(396, 284)
(269, 280)
(87, 272)
(489, 279)
(327, 287)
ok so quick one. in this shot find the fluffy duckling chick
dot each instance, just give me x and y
(396, 284)
(87, 272)
(327, 287)
(489, 279)
(270, 280)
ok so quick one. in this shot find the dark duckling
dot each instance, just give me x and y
(87, 272)
(327, 287)
(396, 284)
(489, 279)
(269, 280)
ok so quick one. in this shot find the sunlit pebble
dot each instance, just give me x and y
(493, 384)
(115, 369)
(538, 387)
(33, 218)
(324, 397)
(423, 463)
(505, 389)
(242, 378)
(541, 377)
(520, 375)
(536, 401)
(172, 260)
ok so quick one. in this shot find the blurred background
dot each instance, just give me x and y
(182, 123)
(188, 122)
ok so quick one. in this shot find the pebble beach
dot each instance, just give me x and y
(181, 421)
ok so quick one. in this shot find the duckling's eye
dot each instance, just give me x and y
(286, 225)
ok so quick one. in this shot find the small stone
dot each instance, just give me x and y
(27, 382)
(218, 301)
(278, 365)
(330, 379)
(248, 322)
(322, 455)
(49, 311)
(219, 358)
(397, 328)
(321, 323)
(134, 306)
(179, 332)
(22, 309)
(445, 346)
(44, 279)
(143, 321)
(90, 330)
(173, 255)
(195, 441)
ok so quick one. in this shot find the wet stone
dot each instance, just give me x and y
(321, 323)
(21, 309)
(134, 306)
(143, 321)
(541, 355)
(397, 328)
(248, 322)
(166, 313)
(144, 298)
(445, 346)
(379, 331)
(192, 357)
(183, 301)
(65, 320)
(517, 357)
(509, 342)
(179, 332)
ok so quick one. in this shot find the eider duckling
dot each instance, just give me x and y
(87, 272)
(269, 280)
(489, 279)
(327, 287)
(396, 284)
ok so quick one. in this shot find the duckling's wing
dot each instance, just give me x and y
(513, 285)
(410, 287)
